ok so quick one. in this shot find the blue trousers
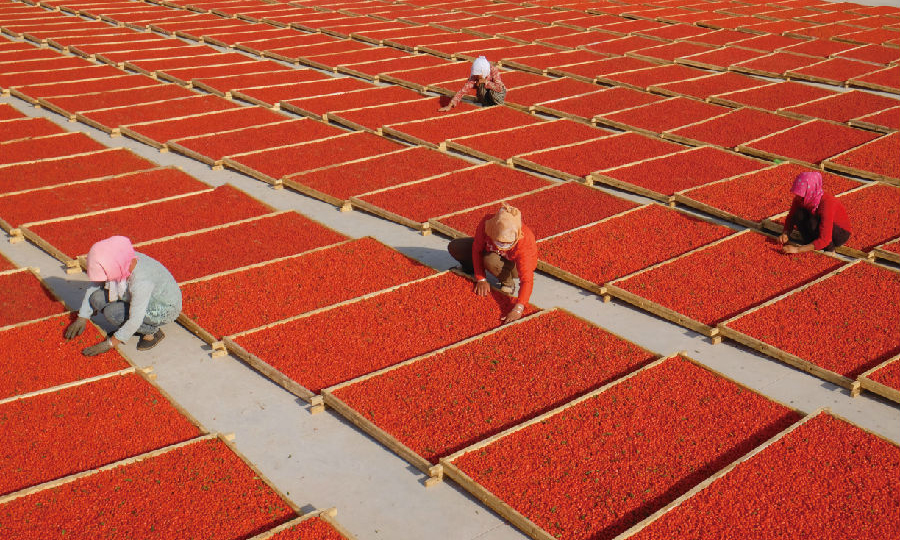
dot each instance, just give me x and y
(117, 312)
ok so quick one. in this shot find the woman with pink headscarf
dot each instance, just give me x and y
(135, 293)
(484, 77)
(819, 217)
(507, 249)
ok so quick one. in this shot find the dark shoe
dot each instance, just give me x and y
(145, 344)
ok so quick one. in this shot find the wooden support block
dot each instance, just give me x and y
(432, 481)
(148, 370)
(218, 167)
(606, 298)
(16, 236)
(73, 269)
(346, 207)
(316, 405)
(715, 340)
(218, 353)
(437, 471)
(855, 389)
(331, 512)
(278, 184)
(228, 437)
(151, 376)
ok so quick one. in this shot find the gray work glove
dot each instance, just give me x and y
(100, 348)
(76, 328)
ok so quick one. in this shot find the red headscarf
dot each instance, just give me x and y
(809, 186)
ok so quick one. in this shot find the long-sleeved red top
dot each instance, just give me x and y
(830, 211)
(523, 254)
(492, 82)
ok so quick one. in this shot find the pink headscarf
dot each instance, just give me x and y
(809, 186)
(110, 261)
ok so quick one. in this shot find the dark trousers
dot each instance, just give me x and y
(487, 96)
(116, 313)
(505, 270)
(807, 224)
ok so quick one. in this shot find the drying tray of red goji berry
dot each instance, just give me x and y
(526, 97)
(419, 79)
(371, 70)
(713, 283)
(50, 360)
(771, 97)
(586, 107)
(833, 344)
(8, 112)
(336, 184)
(273, 164)
(68, 430)
(886, 121)
(319, 525)
(728, 130)
(805, 472)
(641, 79)
(157, 133)
(271, 96)
(404, 321)
(751, 198)
(660, 178)
(843, 107)
(319, 107)
(577, 161)
(719, 60)
(476, 388)
(884, 80)
(203, 252)
(889, 251)
(97, 195)
(69, 106)
(224, 85)
(414, 203)
(47, 146)
(6, 264)
(501, 145)
(874, 213)
(211, 148)
(834, 71)
(704, 87)
(201, 488)
(110, 120)
(9, 80)
(374, 117)
(24, 298)
(592, 255)
(433, 132)
(26, 128)
(660, 116)
(218, 305)
(876, 160)
(883, 379)
(595, 466)
(67, 238)
(808, 144)
(17, 177)
(151, 66)
(774, 65)
(540, 210)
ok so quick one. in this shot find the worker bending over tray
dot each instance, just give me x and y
(819, 217)
(485, 79)
(135, 293)
(507, 249)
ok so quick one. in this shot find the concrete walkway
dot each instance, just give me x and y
(321, 460)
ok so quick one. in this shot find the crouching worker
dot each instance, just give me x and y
(507, 249)
(485, 79)
(819, 217)
(135, 293)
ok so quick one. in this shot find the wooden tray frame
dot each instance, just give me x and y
(708, 481)
(883, 390)
(506, 511)
(578, 281)
(328, 516)
(522, 162)
(872, 86)
(276, 376)
(229, 162)
(386, 439)
(73, 265)
(335, 117)
(881, 253)
(830, 165)
(770, 350)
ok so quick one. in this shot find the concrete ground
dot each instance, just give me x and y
(321, 460)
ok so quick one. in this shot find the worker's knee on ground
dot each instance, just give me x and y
(460, 249)
(98, 300)
(493, 263)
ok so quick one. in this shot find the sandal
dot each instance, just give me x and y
(145, 344)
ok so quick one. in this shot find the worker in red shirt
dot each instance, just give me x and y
(485, 79)
(507, 249)
(819, 217)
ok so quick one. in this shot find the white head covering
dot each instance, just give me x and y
(481, 66)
